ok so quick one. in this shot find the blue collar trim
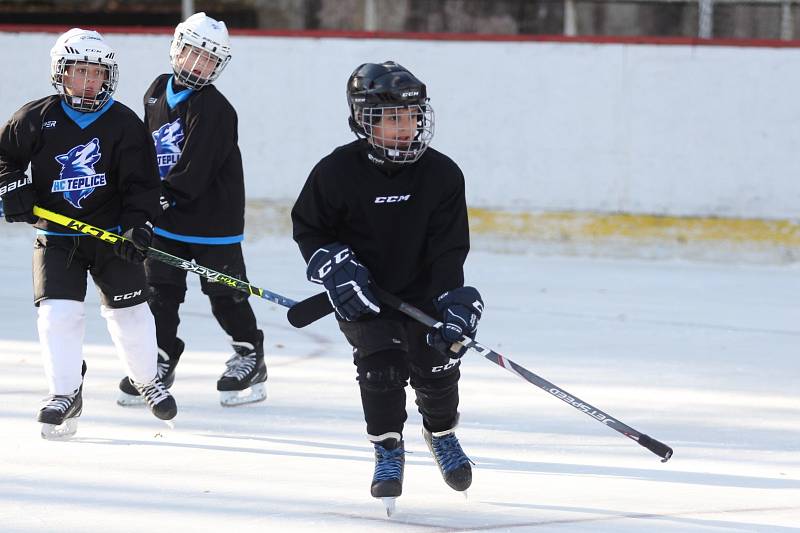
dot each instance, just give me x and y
(84, 120)
(174, 98)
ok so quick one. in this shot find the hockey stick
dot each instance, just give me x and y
(315, 307)
(164, 257)
(308, 311)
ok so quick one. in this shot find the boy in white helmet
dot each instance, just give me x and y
(90, 159)
(194, 129)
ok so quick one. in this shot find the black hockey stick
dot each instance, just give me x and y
(315, 307)
(310, 310)
(164, 257)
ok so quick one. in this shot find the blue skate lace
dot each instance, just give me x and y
(389, 464)
(449, 453)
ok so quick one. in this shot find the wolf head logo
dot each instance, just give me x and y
(168, 137)
(79, 162)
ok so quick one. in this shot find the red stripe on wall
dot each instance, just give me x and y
(469, 37)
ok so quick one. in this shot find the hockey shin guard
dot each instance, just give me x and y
(61, 327)
(133, 332)
(236, 317)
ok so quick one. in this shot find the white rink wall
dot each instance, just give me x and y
(645, 129)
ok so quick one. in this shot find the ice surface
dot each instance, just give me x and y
(704, 357)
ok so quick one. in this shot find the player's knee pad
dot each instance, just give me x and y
(435, 386)
(223, 304)
(235, 316)
(166, 295)
(165, 300)
(380, 372)
(133, 332)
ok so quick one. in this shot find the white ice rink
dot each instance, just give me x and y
(704, 357)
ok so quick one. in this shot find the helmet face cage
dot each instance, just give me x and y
(200, 51)
(399, 140)
(66, 81)
(196, 67)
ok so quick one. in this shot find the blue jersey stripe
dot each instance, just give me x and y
(193, 239)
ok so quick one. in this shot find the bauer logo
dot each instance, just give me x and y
(78, 178)
(15, 184)
(167, 139)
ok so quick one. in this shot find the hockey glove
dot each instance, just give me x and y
(345, 280)
(460, 309)
(19, 197)
(134, 247)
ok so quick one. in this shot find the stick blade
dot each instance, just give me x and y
(309, 310)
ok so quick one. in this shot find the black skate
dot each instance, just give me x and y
(167, 363)
(245, 370)
(158, 399)
(453, 463)
(59, 416)
(387, 481)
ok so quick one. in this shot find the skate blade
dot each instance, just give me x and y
(129, 400)
(257, 393)
(60, 432)
(389, 504)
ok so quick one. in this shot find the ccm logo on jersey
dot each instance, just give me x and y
(11, 185)
(128, 296)
(392, 199)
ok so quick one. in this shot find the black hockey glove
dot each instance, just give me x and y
(134, 247)
(460, 309)
(345, 279)
(19, 197)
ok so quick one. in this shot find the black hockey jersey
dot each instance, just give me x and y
(409, 228)
(95, 167)
(196, 142)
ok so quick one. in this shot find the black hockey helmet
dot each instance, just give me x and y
(388, 89)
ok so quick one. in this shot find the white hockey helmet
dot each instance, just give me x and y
(200, 50)
(83, 46)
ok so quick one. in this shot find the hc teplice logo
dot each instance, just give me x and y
(78, 178)
(167, 139)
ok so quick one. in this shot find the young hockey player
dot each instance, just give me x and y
(194, 129)
(91, 159)
(389, 209)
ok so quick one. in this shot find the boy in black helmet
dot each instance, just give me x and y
(388, 209)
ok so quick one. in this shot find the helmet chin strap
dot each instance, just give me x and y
(377, 157)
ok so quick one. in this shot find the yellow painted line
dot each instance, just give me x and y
(595, 226)
(272, 216)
